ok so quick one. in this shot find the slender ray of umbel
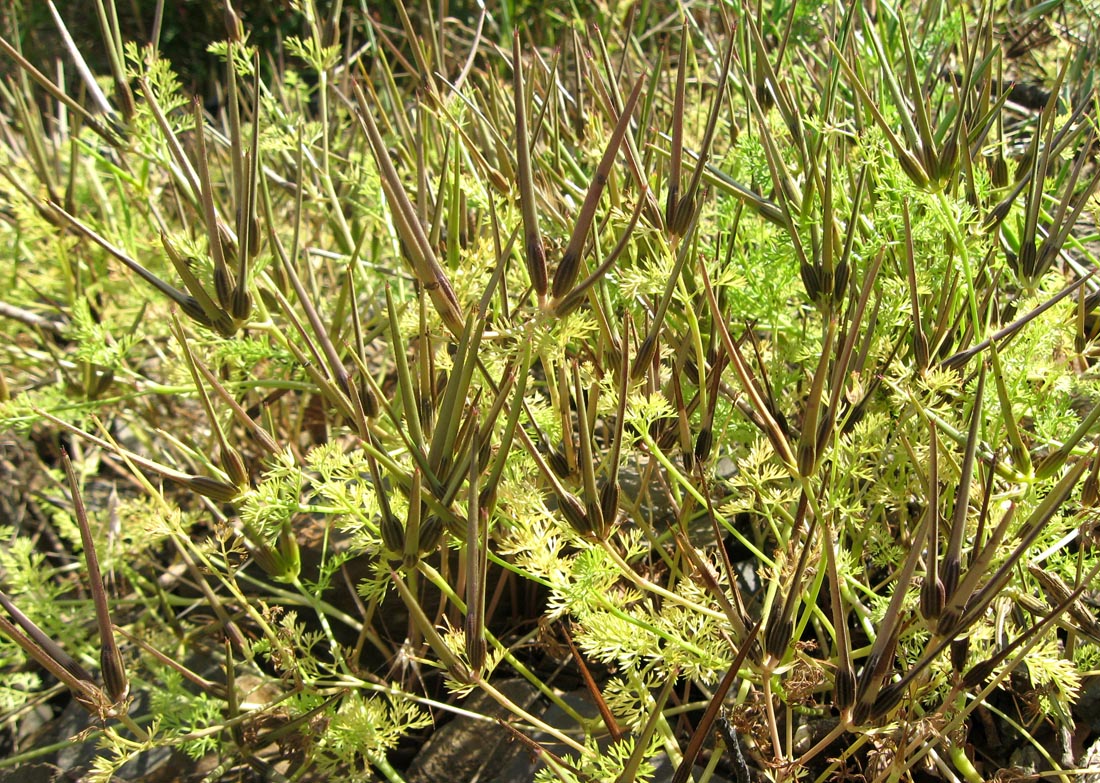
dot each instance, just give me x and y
(421, 256)
(110, 659)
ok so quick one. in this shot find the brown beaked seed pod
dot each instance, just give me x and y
(234, 467)
(240, 307)
(253, 237)
(948, 623)
(1026, 260)
(229, 245)
(844, 688)
(497, 180)
(272, 560)
(558, 463)
(393, 534)
(866, 679)
(778, 634)
(431, 533)
(811, 280)
(998, 171)
(997, 215)
(929, 159)
(960, 649)
(594, 514)
(764, 96)
(681, 216)
(932, 597)
(566, 274)
(672, 200)
(487, 497)
(193, 310)
(535, 259)
(640, 365)
(211, 488)
(369, 399)
(609, 504)
(484, 453)
(980, 672)
(840, 281)
(446, 462)
(222, 323)
(704, 441)
(223, 286)
(913, 170)
(950, 570)
(888, 698)
(947, 159)
(861, 713)
(573, 512)
(1090, 489)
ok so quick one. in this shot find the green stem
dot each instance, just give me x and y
(318, 606)
(963, 763)
(136, 730)
(697, 344)
(668, 736)
(382, 764)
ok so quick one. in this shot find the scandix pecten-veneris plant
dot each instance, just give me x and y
(737, 358)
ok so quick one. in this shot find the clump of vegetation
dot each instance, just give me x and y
(738, 359)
